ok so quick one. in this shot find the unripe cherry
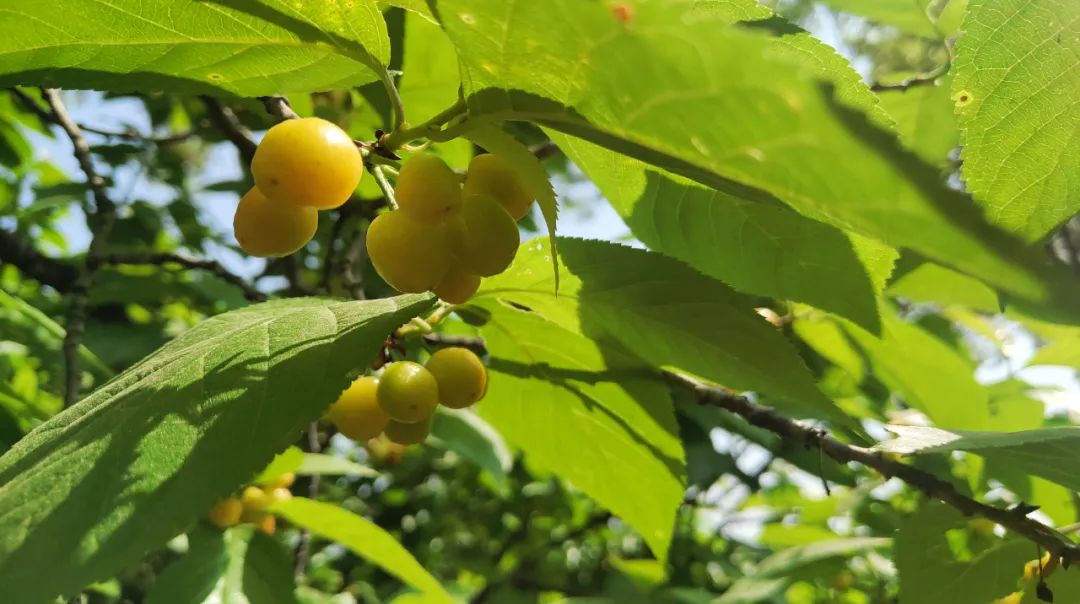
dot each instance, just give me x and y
(409, 434)
(357, 413)
(407, 392)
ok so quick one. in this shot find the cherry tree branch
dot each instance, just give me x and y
(279, 107)
(104, 213)
(1054, 541)
(21, 253)
(210, 266)
(230, 126)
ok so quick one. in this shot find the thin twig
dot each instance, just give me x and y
(135, 135)
(384, 186)
(105, 215)
(130, 134)
(330, 258)
(303, 547)
(794, 431)
(210, 266)
(292, 269)
(929, 484)
(231, 127)
(351, 277)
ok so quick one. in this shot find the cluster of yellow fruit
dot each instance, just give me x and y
(444, 237)
(401, 402)
(300, 167)
(252, 503)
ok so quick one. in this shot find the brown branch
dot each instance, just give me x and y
(278, 106)
(302, 553)
(46, 116)
(791, 430)
(32, 106)
(134, 135)
(351, 266)
(210, 266)
(105, 213)
(225, 120)
(544, 150)
(21, 253)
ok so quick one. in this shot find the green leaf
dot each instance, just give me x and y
(931, 375)
(667, 89)
(246, 49)
(589, 414)
(532, 174)
(773, 574)
(300, 462)
(364, 539)
(930, 282)
(924, 119)
(238, 565)
(56, 331)
(332, 465)
(419, 7)
(1047, 452)
(931, 572)
(283, 463)
(1017, 72)
(756, 247)
(1060, 343)
(430, 82)
(908, 16)
(135, 462)
(430, 79)
(466, 434)
(663, 312)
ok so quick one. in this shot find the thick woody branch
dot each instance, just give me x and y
(21, 253)
(1047, 537)
(105, 214)
(62, 275)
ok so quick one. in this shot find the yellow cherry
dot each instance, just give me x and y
(493, 176)
(265, 228)
(461, 376)
(427, 189)
(457, 286)
(307, 162)
(486, 236)
(411, 256)
(357, 413)
(226, 512)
